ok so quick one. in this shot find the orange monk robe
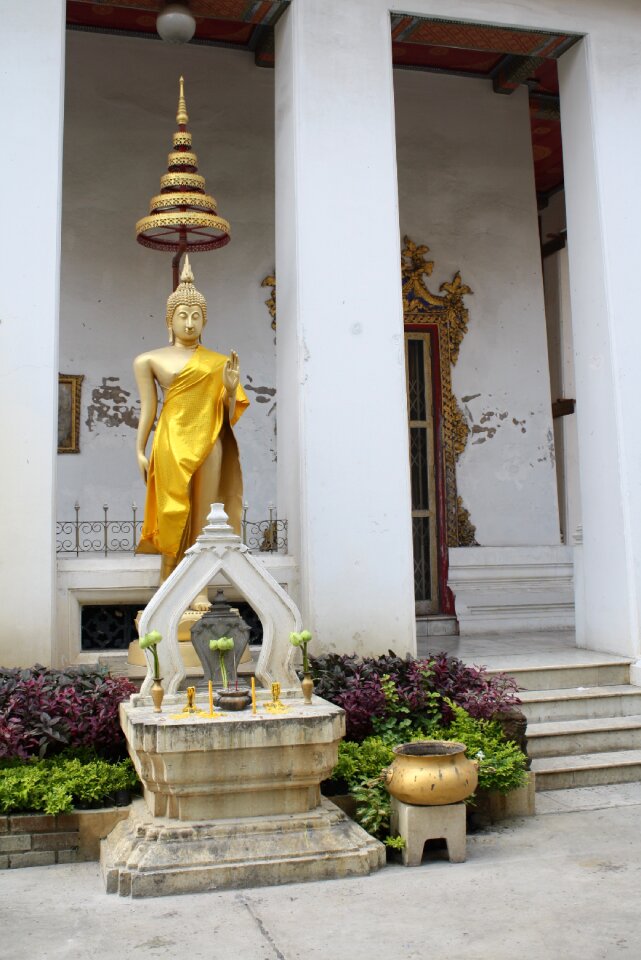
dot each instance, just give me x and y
(193, 416)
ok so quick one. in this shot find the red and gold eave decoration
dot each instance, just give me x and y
(444, 46)
(182, 217)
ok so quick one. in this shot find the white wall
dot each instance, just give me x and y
(600, 102)
(31, 78)
(465, 182)
(561, 355)
(600, 82)
(343, 433)
(121, 100)
(600, 90)
(466, 189)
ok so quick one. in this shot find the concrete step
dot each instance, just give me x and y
(568, 675)
(436, 625)
(617, 700)
(588, 769)
(573, 737)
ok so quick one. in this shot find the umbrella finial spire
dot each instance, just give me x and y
(182, 117)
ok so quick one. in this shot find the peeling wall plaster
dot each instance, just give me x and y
(109, 406)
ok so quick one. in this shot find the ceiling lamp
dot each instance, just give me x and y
(175, 24)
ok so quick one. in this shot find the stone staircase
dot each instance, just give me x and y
(584, 722)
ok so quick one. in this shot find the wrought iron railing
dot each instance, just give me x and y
(266, 536)
(107, 536)
(98, 536)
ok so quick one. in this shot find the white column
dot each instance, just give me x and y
(600, 93)
(342, 422)
(31, 88)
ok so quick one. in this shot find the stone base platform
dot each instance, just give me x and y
(416, 825)
(148, 856)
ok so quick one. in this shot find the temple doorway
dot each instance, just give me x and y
(423, 472)
(435, 325)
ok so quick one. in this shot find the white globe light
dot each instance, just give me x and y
(175, 24)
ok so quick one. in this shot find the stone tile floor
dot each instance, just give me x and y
(499, 652)
(589, 798)
(563, 885)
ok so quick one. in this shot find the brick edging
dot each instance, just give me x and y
(40, 839)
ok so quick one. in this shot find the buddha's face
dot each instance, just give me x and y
(187, 323)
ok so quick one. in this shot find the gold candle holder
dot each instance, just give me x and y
(275, 705)
(190, 708)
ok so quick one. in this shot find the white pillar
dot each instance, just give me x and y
(600, 94)
(31, 85)
(342, 422)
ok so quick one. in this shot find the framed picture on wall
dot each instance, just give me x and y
(69, 387)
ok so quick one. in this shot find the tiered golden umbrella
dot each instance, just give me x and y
(182, 217)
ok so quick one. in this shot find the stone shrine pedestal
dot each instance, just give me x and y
(233, 802)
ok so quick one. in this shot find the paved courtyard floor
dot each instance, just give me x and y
(503, 652)
(564, 885)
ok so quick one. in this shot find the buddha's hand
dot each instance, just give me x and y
(143, 465)
(231, 374)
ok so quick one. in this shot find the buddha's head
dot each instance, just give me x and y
(186, 308)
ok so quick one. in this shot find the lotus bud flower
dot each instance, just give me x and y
(150, 640)
(222, 645)
(301, 640)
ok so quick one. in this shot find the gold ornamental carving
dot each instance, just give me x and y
(182, 139)
(447, 311)
(166, 201)
(182, 158)
(192, 219)
(191, 181)
(270, 281)
(466, 529)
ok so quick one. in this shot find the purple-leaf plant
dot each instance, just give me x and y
(44, 711)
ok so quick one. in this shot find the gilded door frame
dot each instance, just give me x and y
(432, 511)
(450, 316)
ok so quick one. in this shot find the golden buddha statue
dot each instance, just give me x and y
(194, 458)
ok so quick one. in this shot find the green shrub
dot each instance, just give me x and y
(501, 762)
(502, 765)
(373, 807)
(58, 784)
(362, 761)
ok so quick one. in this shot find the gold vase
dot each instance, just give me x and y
(157, 694)
(307, 686)
(431, 773)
